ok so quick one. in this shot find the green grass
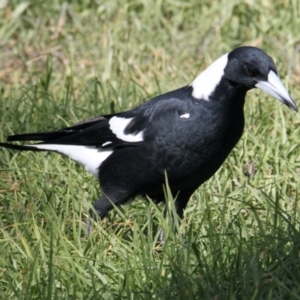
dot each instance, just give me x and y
(67, 61)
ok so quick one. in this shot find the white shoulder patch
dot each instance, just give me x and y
(117, 125)
(205, 83)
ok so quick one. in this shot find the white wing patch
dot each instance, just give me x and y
(185, 116)
(205, 83)
(117, 125)
(90, 158)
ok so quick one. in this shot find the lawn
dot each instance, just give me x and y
(62, 62)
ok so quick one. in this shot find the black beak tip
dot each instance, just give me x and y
(292, 106)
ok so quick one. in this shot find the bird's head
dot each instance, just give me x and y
(253, 68)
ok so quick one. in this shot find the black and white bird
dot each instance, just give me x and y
(187, 133)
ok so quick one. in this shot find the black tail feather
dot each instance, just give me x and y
(39, 136)
(20, 147)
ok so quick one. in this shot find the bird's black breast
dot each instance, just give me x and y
(192, 149)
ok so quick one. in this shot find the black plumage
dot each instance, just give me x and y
(187, 133)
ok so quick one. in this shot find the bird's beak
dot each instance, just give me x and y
(275, 88)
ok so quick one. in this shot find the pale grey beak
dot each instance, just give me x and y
(275, 88)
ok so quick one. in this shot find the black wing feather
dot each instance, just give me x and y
(96, 131)
(93, 132)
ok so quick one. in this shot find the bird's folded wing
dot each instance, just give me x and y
(108, 131)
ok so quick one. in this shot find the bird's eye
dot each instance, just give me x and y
(251, 71)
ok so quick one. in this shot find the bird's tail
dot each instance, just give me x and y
(44, 138)
(63, 142)
(21, 147)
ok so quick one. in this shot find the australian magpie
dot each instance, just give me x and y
(186, 133)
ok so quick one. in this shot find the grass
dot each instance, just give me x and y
(67, 61)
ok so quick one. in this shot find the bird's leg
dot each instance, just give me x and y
(104, 205)
(101, 208)
(180, 204)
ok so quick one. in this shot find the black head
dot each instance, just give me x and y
(250, 67)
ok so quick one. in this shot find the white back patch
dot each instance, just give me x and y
(117, 125)
(185, 116)
(89, 157)
(205, 83)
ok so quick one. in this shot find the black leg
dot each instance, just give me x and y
(101, 207)
(105, 204)
(180, 204)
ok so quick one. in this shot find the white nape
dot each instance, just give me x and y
(117, 125)
(90, 158)
(205, 83)
(185, 116)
